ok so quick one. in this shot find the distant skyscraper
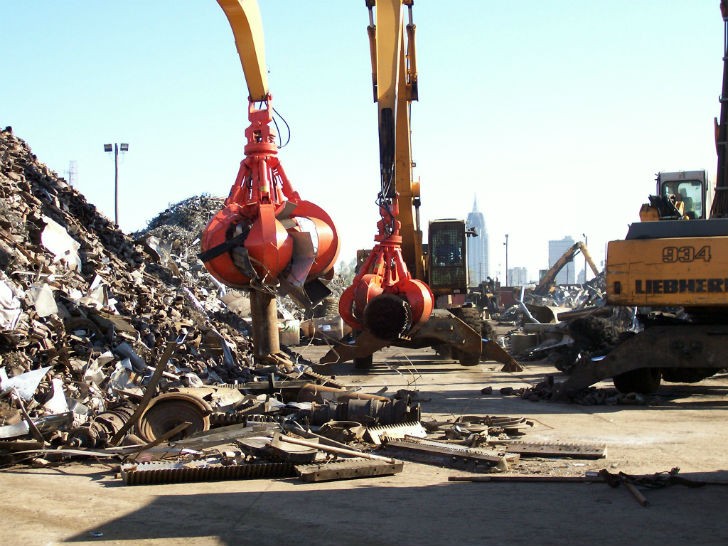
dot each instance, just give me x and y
(518, 276)
(477, 247)
(556, 250)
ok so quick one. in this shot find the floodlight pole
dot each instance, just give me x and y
(124, 148)
(116, 185)
(506, 245)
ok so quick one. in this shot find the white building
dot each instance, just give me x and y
(518, 276)
(557, 249)
(477, 247)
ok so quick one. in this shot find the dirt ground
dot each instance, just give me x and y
(684, 426)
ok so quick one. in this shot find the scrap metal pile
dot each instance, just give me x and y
(124, 348)
(86, 314)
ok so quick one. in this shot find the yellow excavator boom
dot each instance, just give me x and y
(246, 23)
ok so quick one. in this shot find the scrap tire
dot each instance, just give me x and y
(641, 380)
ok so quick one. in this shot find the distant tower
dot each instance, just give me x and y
(72, 173)
(556, 250)
(477, 247)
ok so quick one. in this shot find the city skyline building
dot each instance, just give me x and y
(477, 246)
(518, 276)
(556, 250)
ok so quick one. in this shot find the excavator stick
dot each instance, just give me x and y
(384, 298)
(720, 202)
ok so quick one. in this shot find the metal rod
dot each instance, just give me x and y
(558, 479)
(149, 393)
(176, 430)
(31, 425)
(332, 449)
(506, 245)
(639, 497)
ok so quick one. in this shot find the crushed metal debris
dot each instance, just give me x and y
(124, 347)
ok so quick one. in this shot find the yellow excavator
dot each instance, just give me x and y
(392, 299)
(547, 281)
(672, 270)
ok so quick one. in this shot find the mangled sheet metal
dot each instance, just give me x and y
(89, 310)
(86, 316)
(63, 247)
(41, 295)
(23, 385)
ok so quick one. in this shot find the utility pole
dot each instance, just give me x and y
(116, 148)
(586, 241)
(506, 245)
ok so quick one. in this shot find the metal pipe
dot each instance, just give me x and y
(264, 312)
(332, 449)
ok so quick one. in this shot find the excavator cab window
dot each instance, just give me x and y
(689, 193)
(446, 250)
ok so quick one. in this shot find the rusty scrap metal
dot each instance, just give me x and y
(102, 428)
(292, 452)
(166, 436)
(335, 450)
(453, 456)
(657, 480)
(380, 434)
(168, 410)
(320, 393)
(493, 423)
(366, 412)
(31, 425)
(527, 479)
(148, 394)
(347, 469)
(557, 449)
(164, 472)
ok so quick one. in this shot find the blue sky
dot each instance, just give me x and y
(557, 114)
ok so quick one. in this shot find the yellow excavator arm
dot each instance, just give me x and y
(247, 25)
(394, 81)
(547, 281)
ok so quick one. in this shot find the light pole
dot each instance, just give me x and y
(506, 245)
(116, 148)
(586, 245)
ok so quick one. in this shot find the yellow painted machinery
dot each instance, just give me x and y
(672, 269)
(392, 298)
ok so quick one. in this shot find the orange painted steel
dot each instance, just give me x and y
(383, 274)
(252, 237)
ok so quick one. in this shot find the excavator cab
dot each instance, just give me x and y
(447, 261)
(688, 188)
(681, 195)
